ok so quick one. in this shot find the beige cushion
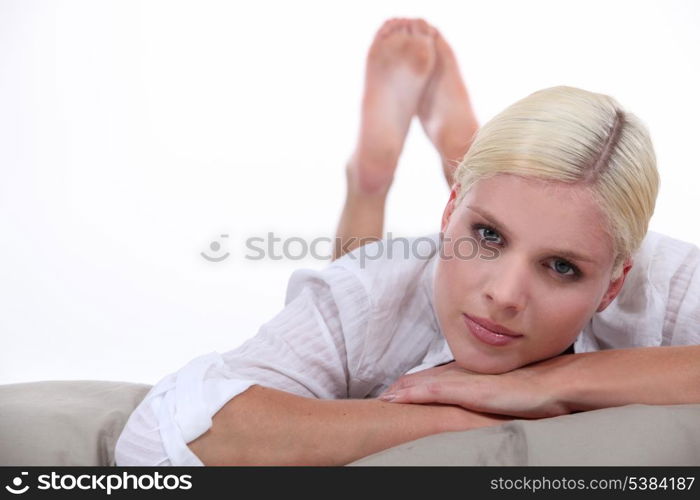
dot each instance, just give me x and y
(635, 435)
(78, 423)
(64, 422)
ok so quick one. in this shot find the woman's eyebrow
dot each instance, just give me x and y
(568, 254)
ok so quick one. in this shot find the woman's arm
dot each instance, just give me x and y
(645, 375)
(264, 426)
(563, 384)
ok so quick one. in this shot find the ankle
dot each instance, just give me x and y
(452, 147)
(369, 180)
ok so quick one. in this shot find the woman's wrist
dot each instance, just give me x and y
(456, 418)
(616, 377)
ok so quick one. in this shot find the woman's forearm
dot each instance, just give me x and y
(617, 377)
(265, 426)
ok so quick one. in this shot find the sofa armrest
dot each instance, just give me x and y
(75, 422)
(634, 435)
(58, 423)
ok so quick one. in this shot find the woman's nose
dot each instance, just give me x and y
(506, 286)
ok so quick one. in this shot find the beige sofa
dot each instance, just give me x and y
(78, 422)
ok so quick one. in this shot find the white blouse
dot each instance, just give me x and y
(351, 329)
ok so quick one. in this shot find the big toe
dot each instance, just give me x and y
(404, 42)
(420, 26)
(389, 26)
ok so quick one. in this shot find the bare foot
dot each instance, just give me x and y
(445, 111)
(399, 62)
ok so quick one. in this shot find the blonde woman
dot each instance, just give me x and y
(542, 294)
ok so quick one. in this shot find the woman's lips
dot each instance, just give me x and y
(488, 332)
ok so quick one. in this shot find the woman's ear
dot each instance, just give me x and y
(615, 286)
(450, 207)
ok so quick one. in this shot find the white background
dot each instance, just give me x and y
(134, 134)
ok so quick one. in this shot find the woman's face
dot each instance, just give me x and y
(525, 255)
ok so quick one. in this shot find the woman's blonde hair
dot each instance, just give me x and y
(571, 135)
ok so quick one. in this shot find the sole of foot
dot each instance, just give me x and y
(399, 63)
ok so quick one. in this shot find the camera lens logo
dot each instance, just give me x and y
(215, 246)
(17, 482)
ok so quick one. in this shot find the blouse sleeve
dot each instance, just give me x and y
(305, 349)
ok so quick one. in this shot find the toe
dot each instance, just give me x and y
(389, 26)
(441, 44)
(421, 26)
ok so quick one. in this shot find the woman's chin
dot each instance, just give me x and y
(486, 367)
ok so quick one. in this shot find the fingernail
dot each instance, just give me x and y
(389, 396)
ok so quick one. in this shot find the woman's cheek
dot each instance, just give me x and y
(462, 280)
(569, 314)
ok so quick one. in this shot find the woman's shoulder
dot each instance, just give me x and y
(661, 260)
(382, 293)
(391, 262)
(655, 242)
(660, 264)
(657, 300)
(380, 271)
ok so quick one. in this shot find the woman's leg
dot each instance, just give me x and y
(410, 70)
(445, 110)
(399, 63)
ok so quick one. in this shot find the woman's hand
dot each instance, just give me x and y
(519, 393)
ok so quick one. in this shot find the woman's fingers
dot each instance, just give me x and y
(401, 384)
(433, 391)
(505, 394)
(406, 381)
(414, 378)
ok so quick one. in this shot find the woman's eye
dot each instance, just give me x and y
(564, 268)
(559, 266)
(488, 234)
